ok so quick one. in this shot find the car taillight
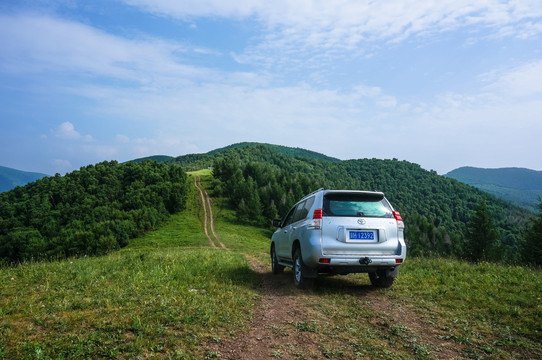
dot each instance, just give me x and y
(324, 261)
(398, 261)
(316, 223)
(317, 214)
(397, 216)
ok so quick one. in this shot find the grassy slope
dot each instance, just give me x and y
(170, 291)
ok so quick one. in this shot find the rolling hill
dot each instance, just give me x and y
(157, 158)
(10, 178)
(519, 186)
(259, 182)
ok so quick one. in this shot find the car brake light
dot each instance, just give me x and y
(317, 214)
(324, 261)
(316, 223)
(398, 261)
(397, 216)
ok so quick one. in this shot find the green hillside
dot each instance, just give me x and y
(93, 210)
(98, 208)
(262, 183)
(10, 178)
(519, 186)
(286, 150)
(264, 153)
(157, 158)
(171, 295)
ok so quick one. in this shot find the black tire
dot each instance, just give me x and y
(276, 268)
(380, 280)
(300, 281)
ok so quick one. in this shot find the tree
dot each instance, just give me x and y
(482, 235)
(532, 246)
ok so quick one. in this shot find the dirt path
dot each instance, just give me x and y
(278, 328)
(272, 333)
(208, 220)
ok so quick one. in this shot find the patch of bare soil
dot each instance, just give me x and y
(272, 333)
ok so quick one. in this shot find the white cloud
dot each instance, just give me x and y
(522, 81)
(35, 43)
(66, 130)
(294, 27)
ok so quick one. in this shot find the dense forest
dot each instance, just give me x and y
(90, 211)
(262, 183)
(100, 207)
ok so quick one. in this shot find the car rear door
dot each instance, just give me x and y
(358, 224)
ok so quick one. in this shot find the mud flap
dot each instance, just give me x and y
(309, 273)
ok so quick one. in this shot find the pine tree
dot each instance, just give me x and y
(532, 247)
(482, 235)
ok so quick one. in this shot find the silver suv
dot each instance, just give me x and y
(340, 232)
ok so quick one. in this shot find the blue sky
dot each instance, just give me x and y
(443, 84)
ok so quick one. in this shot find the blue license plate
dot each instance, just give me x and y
(362, 235)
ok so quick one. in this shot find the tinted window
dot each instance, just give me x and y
(288, 219)
(303, 208)
(299, 212)
(368, 205)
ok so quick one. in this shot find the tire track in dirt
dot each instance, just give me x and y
(208, 220)
(197, 185)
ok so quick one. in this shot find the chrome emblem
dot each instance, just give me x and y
(361, 221)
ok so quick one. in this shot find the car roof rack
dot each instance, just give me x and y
(314, 192)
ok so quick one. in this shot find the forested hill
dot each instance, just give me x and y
(99, 207)
(251, 152)
(90, 211)
(262, 183)
(517, 185)
(286, 150)
(157, 158)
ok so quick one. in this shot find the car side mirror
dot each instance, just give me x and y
(276, 222)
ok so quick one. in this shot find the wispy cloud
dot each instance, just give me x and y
(297, 28)
(520, 82)
(37, 44)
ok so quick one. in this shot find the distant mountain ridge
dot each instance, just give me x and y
(520, 186)
(10, 178)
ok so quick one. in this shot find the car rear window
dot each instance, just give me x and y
(347, 204)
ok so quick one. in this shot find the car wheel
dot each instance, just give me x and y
(380, 280)
(276, 268)
(300, 280)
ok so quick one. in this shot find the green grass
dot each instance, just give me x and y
(169, 291)
(486, 311)
(161, 296)
(495, 309)
(125, 304)
(184, 229)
